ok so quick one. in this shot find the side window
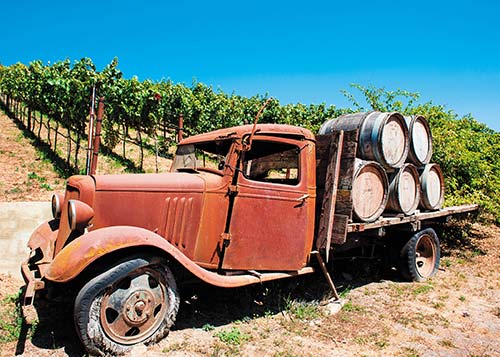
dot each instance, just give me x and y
(272, 162)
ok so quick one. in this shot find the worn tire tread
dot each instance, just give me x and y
(100, 344)
(408, 266)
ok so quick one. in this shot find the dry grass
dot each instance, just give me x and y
(31, 171)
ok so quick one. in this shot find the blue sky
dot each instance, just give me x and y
(448, 51)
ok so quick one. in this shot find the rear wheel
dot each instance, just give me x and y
(134, 302)
(420, 256)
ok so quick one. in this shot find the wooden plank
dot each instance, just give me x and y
(339, 233)
(420, 216)
(323, 143)
(331, 185)
(330, 194)
(344, 205)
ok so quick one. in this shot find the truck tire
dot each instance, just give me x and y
(136, 301)
(419, 257)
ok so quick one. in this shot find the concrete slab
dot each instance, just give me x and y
(17, 222)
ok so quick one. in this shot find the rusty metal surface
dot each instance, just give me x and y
(132, 312)
(44, 238)
(34, 268)
(83, 251)
(78, 187)
(90, 136)
(187, 209)
(179, 182)
(262, 129)
(268, 217)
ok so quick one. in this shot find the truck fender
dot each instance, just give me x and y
(43, 238)
(86, 249)
(81, 252)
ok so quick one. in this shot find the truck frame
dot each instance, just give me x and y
(241, 205)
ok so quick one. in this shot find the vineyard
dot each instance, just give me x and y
(137, 112)
(52, 101)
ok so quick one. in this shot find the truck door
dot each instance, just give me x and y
(273, 213)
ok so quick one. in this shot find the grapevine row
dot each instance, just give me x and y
(61, 91)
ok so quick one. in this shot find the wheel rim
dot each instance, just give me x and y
(425, 256)
(132, 309)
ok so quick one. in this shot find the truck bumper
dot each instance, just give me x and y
(33, 280)
(35, 267)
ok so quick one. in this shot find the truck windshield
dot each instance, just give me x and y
(210, 156)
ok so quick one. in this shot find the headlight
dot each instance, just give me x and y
(57, 200)
(79, 215)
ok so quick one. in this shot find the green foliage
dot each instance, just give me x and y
(467, 151)
(302, 310)
(381, 99)
(62, 91)
(12, 320)
(422, 289)
(350, 307)
(208, 327)
(232, 336)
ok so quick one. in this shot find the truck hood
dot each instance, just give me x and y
(169, 182)
(170, 204)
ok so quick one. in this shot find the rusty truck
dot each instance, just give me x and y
(240, 206)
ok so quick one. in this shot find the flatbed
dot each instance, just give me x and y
(417, 217)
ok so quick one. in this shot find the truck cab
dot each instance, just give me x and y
(262, 199)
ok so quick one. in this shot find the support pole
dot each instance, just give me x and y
(88, 163)
(97, 138)
(180, 132)
(326, 274)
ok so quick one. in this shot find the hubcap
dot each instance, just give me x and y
(138, 307)
(133, 308)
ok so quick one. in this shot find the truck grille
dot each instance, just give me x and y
(178, 215)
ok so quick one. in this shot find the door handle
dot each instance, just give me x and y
(303, 198)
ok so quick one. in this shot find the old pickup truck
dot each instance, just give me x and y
(241, 205)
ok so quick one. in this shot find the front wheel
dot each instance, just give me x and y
(134, 302)
(420, 256)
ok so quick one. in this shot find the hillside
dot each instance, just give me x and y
(25, 173)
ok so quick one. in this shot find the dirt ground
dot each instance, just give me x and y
(457, 313)
(25, 174)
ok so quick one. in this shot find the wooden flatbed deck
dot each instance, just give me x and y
(417, 217)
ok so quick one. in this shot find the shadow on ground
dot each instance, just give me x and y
(54, 330)
(206, 305)
(60, 164)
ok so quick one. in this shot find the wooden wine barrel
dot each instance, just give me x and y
(432, 187)
(369, 190)
(419, 133)
(404, 190)
(383, 137)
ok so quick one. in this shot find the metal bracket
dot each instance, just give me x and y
(232, 189)
(31, 287)
(416, 226)
(225, 238)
